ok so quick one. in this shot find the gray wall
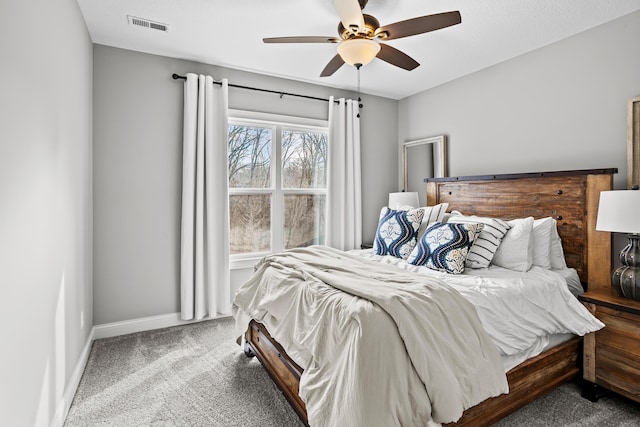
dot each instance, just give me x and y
(137, 170)
(560, 107)
(45, 205)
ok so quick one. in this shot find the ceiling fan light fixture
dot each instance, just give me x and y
(358, 51)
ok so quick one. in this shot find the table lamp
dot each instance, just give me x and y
(619, 212)
(404, 198)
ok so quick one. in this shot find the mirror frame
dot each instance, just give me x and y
(633, 143)
(439, 144)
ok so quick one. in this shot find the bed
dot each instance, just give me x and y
(571, 198)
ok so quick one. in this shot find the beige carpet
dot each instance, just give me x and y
(196, 375)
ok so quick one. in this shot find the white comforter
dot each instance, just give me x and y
(380, 347)
(367, 364)
(517, 309)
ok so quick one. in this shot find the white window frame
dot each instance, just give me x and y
(277, 123)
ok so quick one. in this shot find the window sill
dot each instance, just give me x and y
(244, 263)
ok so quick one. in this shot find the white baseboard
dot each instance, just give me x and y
(108, 330)
(70, 390)
(115, 329)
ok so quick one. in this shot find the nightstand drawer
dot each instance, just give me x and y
(621, 332)
(617, 371)
(612, 354)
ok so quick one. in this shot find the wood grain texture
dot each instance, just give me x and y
(562, 195)
(281, 368)
(589, 351)
(614, 354)
(562, 198)
(599, 251)
(527, 382)
(571, 199)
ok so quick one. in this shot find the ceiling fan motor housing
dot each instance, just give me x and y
(371, 24)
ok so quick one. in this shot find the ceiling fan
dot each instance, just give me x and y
(360, 36)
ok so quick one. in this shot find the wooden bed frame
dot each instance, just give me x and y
(571, 197)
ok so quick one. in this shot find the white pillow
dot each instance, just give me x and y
(487, 242)
(542, 232)
(557, 253)
(516, 249)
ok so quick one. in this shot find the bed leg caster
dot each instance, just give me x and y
(247, 350)
(590, 391)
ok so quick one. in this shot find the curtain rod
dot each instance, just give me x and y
(176, 77)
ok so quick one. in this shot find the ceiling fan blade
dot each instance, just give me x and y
(350, 13)
(302, 39)
(395, 57)
(420, 25)
(333, 65)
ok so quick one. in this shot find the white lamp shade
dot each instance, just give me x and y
(405, 198)
(619, 211)
(358, 51)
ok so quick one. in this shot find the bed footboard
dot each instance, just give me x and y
(282, 369)
(527, 381)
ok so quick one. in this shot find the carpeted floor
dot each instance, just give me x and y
(196, 375)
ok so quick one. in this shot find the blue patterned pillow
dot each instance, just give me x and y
(397, 232)
(444, 247)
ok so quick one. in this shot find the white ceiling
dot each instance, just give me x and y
(229, 33)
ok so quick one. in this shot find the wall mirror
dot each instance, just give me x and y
(423, 158)
(633, 143)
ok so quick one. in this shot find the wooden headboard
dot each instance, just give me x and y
(571, 197)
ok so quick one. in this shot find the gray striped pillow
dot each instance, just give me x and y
(486, 244)
(432, 214)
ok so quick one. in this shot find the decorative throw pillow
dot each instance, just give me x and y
(444, 247)
(516, 249)
(431, 214)
(486, 244)
(397, 232)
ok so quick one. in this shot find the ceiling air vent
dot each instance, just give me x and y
(141, 22)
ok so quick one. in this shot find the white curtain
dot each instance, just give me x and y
(204, 256)
(344, 222)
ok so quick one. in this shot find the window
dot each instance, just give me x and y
(277, 183)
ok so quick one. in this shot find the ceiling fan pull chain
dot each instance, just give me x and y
(358, 66)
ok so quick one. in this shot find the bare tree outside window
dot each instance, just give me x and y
(249, 161)
(304, 165)
(304, 220)
(289, 194)
(304, 159)
(249, 157)
(250, 223)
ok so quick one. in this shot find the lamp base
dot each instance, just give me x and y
(626, 279)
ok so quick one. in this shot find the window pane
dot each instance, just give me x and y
(250, 219)
(249, 157)
(304, 220)
(304, 159)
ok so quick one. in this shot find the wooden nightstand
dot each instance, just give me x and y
(612, 355)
